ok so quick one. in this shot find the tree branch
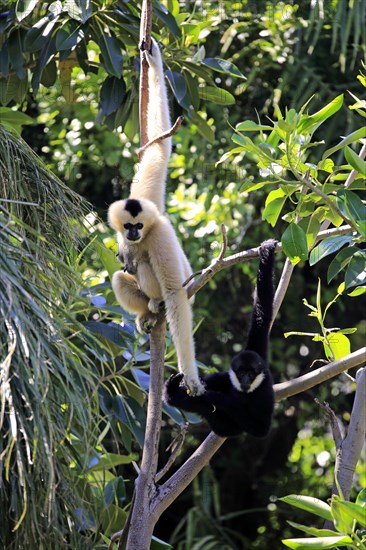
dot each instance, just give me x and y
(173, 130)
(350, 448)
(311, 379)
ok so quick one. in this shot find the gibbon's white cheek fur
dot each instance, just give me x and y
(156, 265)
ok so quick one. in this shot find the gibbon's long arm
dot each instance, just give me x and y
(260, 324)
(242, 399)
(149, 181)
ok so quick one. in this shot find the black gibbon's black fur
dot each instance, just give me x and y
(242, 399)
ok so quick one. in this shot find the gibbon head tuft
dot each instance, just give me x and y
(133, 206)
(133, 218)
(247, 371)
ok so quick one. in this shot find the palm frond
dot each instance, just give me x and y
(47, 391)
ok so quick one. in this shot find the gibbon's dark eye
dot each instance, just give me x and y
(127, 225)
(139, 225)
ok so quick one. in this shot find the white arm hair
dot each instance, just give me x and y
(149, 180)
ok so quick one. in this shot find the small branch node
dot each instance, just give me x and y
(173, 130)
(334, 424)
(176, 447)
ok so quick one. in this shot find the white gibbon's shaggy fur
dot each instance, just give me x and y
(154, 260)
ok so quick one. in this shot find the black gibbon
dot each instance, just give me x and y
(154, 260)
(242, 399)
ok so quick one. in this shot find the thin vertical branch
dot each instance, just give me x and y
(145, 44)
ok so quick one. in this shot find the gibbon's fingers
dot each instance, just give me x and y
(128, 294)
(146, 322)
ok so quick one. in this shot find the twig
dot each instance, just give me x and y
(333, 421)
(176, 446)
(174, 129)
(145, 42)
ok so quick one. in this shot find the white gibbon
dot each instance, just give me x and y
(155, 264)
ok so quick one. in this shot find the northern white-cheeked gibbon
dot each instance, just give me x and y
(154, 260)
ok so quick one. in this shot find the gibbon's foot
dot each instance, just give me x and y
(142, 45)
(194, 386)
(154, 306)
(145, 323)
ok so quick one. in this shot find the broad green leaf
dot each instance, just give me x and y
(14, 119)
(15, 53)
(313, 227)
(12, 89)
(179, 87)
(356, 270)
(36, 37)
(351, 138)
(192, 85)
(69, 35)
(339, 346)
(81, 10)
(309, 504)
(222, 66)
(352, 511)
(294, 243)
(312, 530)
(355, 161)
(357, 292)
(167, 18)
(328, 246)
(112, 94)
(251, 126)
(23, 8)
(350, 205)
(49, 74)
(47, 53)
(110, 460)
(340, 261)
(318, 543)
(216, 95)
(111, 331)
(205, 130)
(312, 122)
(361, 498)
(273, 206)
(111, 54)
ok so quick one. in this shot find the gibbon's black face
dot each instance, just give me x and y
(249, 370)
(133, 231)
(133, 228)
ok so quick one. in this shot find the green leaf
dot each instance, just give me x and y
(81, 10)
(69, 35)
(222, 66)
(216, 95)
(357, 292)
(111, 55)
(352, 511)
(309, 504)
(110, 460)
(16, 54)
(273, 206)
(356, 270)
(361, 498)
(158, 544)
(205, 130)
(113, 332)
(251, 126)
(338, 346)
(328, 246)
(318, 543)
(312, 530)
(23, 8)
(167, 18)
(45, 56)
(312, 122)
(340, 261)
(350, 205)
(179, 87)
(313, 227)
(351, 138)
(192, 85)
(112, 94)
(14, 119)
(355, 161)
(294, 243)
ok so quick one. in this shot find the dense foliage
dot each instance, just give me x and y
(69, 84)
